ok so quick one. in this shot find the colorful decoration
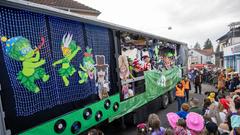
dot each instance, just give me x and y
(69, 50)
(169, 54)
(137, 66)
(102, 81)
(156, 53)
(124, 67)
(19, 49)
(131, 68)
(87, 67)
(162, 81)
(126, 91)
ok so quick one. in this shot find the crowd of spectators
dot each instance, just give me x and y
(217, 116)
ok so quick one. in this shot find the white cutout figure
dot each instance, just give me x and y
(162, 81)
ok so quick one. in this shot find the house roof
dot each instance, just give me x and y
(234, 32)
(206, 52)
(70, 5)
(48, 10)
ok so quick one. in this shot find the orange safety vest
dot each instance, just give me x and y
(180, 92)
(186, 84)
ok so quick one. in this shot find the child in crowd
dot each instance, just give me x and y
(142, 129)
(95, 132)
(181, 128)
(211, 128)
(195, 123)
(169, 131)
(183, 113)
(172, 119)
(223, 129)
(154, 124)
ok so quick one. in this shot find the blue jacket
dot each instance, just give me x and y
(182, 114)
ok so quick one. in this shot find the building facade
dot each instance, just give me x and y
(231, 47)
(205, 56)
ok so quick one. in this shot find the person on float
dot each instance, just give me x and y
(187, 86)
(147, 63)
(180, 94)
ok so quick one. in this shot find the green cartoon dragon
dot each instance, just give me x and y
(69, 50)
(87, 67)
(19, 49)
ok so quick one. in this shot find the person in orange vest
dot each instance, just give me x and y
(180, 95)
(187, 86)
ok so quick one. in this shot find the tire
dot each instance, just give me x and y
(171, 96)
(164, 101)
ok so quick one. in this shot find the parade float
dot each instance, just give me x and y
(64, 74)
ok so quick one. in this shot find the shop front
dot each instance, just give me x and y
(232, 57)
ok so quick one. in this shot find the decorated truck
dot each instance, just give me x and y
(61, 73)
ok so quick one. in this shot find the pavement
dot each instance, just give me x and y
(115, 127)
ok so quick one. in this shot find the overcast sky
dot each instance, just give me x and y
(191, 20)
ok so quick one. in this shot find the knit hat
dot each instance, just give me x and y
(172, 119)
(195, 121)
(225, 103)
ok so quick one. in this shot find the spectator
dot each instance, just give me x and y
(198, 83)
(235, 121)
(195, 123)
(206, 104)
(172, 119)
(211, 128)
(180, 95)
(187, 86)
(183, 113)
(221, 82)
(154, 123)
(222, 113)
(181, 128)
(236, 131)
(194, 106)
(214, 114)
(223, 129)
(236, 81)
(212, 97)
(142, 129)
(224, 102)
(169, 131)
(95, 132)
